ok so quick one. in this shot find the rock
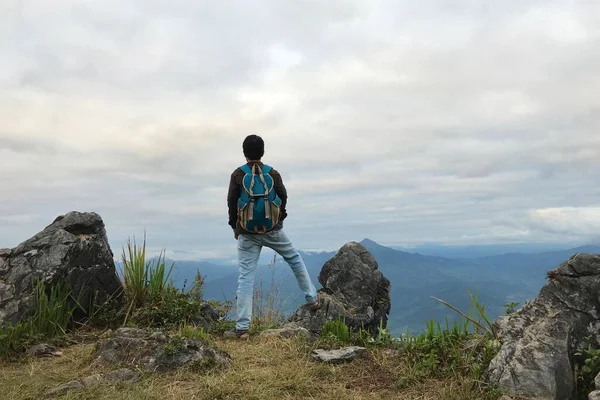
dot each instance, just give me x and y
(121, 375)
(505, 397)
(148, 350)
(62, 389)
(597, 382)
(337, 356)
(540, 341)
(595, 395)
(287, 331)
(43, 350)
(353, 288)
(72, 250)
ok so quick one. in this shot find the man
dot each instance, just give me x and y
(251, 242)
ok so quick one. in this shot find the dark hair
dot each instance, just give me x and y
(254, 147)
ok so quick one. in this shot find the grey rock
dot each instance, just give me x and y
(121, 375)
(62, 389)
(43, 350)
(132, 346)
(124, 375)
(73, 250)
(92, 380)
(505, 397)
(338, 356)
(287, 331)
(595, 395)
(540, 341)
(353, 288)
(597, 382)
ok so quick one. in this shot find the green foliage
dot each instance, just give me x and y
(174, 345)
(143, 278)
(192, 332)
(586, 373)
(336, 329)
(53, 313)
(221, 326)
(171, 309)
(197, 290)
(464, 348)
(510, 308)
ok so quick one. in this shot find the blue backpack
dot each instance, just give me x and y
(258, 205)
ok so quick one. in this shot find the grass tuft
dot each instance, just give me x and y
(53, 314)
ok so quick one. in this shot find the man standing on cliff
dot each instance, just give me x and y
(256, 200)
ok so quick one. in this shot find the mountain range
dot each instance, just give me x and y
(497, 279)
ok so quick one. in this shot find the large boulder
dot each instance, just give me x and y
(72, 250)
(541, 340)
(353, 289)
(158, 352)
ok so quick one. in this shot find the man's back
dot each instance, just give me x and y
(236, 187)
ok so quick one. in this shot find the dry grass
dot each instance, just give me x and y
(263, 369)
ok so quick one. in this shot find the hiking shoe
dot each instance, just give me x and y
(236, 334)
(312, 306)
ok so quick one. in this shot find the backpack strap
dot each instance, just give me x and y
(246, 169)
(266, 169)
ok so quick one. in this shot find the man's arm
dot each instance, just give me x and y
(233, 195)
(281, 192)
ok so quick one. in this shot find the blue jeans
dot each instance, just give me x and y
(249, 248)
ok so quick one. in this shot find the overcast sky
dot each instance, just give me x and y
(407, 122)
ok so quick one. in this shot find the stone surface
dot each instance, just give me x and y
(541, 340)
(72, 250)
(62, 389)
(597, 382)
(338, 356)
(287, 331)
(158, 352)
(353, 288)
(595, 395)
(124, 375)
(43, 350)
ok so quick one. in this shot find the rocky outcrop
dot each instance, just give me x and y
(541, 340)
(72, 250)
(158, 351)
(118, 376)
(353, 289)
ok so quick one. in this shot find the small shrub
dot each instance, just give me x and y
(143, 279)
(510, 308)
(336, 329)
(587, 372)
(170, 309)
(197, 290)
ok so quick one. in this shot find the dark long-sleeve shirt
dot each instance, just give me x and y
(235, 190)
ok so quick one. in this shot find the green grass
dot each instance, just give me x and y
(53, 313)
(144, 280)
(263, 368)
(193, 332)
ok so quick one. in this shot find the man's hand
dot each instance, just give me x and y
(235, 234)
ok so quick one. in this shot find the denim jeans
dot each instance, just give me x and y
(249, 248)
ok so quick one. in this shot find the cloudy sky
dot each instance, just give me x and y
(456, 122)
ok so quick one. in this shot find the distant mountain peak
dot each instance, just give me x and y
(368, 242)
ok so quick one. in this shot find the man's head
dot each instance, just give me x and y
(254, 147)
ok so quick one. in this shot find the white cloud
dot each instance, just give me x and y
(407, 122)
